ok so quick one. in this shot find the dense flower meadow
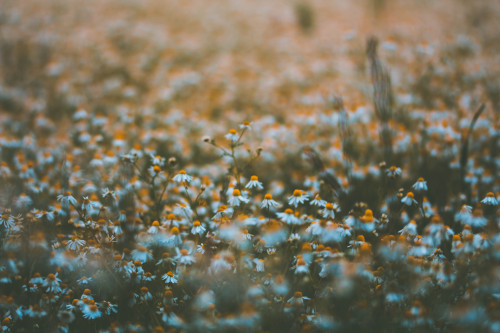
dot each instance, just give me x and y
(195, 166)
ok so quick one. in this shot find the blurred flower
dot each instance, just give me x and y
(254, 182)
(298, 197)
(409, 199)
(182, 177)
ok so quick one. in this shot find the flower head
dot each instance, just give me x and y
(268, 202)
(232, 135)
(489, 200)
(420, 185)
(409, 199)
(182, 177)
(298, 197)
(254, 182)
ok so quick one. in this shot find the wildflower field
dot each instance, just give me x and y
(249, 166)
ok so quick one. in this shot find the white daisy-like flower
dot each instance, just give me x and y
(155, 228)
(44, 214)
(157, 160)
(301, 267)
(52, 283)
(223, 212)
(169, 277)
(268, 202)
(182, 177)
(236, 199)
(254, 182)
(410, 230)
(232, 135)
(298, 197)
(259, 264)
(75, 243)
(67, 199)
(109, 194)
(318, 202)
(154, 170)
(184, 257)
(246, 125)
(88, 204)
(490, 200)
(393, 171)
(7, 221)
(289, 217)
(420, 185)
(142, 254)
(464, 214)
(329, 211)
(198, 228)
(409, 199)
(91, 312)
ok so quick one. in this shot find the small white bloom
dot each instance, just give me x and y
(289, 217)
(420, 185)
(232, 135)
(182, 177)
(318, 202)
(298, 197)
(67, 199)
(268, 202)
(409, 199)
(490, 200)
(254, 182)
(198, 228)
(236, 199)
(329, 211)
(169, 277)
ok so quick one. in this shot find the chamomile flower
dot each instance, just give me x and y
(75, 243)
(184, 257)
(142, 254)
(301, 267)
(88, 204)
(236, 199)
(318, 202)
(368, 221)
(154, 170)
(198, 228)
(410, 230)
(91, 312)
(232, 135)
(420, 185)
(182, 177)
(157, 160)
(288, 216)
(409, 199)
(268, 202)
(254, 182)
(67, 199)
(298, 300)
(155, 228)
(298, 197)
(109, 194)
(52, 283)
(393, 172)
(490, 200)
(7, 221)
(329, 211)
(169, 277)
(464, 214)
(246, 125)
(223, 212)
